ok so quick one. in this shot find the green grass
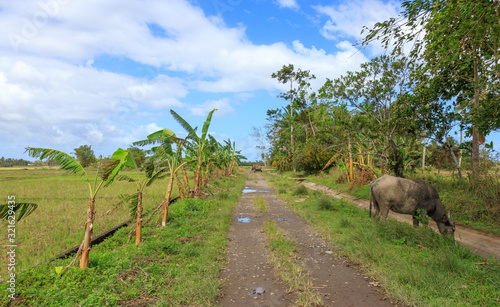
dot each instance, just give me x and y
(62, 201)
(300, 190)
(283, 258)
(476, 205)
(177, 265)
(415, 265)
(260, 204)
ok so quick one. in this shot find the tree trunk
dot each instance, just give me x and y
(89, 225)
(291, 126)
(138, 227)
(179, 185)
(457, 165)
(197, 179)
(350, 159)
(167, 199)
(185, 176)
(460, 151)
(475, 131)
(423, 155)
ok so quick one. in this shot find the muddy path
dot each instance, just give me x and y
(249, 279)
(480, 243)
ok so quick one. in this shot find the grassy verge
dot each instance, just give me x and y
(177, 265)
(283, 258)
(260, 204)
(476, 205)
(415, 265)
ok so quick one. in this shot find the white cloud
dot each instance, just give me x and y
(223, 106)
(290, 4)
(52, 92)
(347, 20)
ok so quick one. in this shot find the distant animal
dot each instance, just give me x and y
(406, 196)
(257, 168)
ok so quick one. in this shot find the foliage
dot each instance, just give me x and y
(18, 210)
(297, 97)
(455, 44)
(139, 155)
(85, 155)
(9, 162)
(107, 174)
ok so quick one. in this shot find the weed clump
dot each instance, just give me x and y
(325, 203)
(301, 191)
(223, 195)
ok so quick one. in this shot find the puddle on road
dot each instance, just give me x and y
(257, 291)
(244, 219)
(248, 190)
(284, 219)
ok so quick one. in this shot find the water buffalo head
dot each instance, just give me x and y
(447, 226)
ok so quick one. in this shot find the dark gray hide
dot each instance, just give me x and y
(257, 168)
(406, 196)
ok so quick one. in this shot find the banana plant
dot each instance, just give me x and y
(198, 143)
(135, 205)
(234, 155)
(165, 161)
(105, 175)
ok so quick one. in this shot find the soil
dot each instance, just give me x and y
(249, 279)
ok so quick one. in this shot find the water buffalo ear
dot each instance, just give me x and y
(445, 219)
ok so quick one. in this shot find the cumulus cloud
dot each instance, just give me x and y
(346, 20)
(53, 92)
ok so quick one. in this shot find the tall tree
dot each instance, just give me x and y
(456, 43)
(301, 78)
(85, 155)
(376, 92)
(139, 155)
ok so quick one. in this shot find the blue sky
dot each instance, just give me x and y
(106, 73)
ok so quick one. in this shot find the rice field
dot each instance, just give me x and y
(59, 221)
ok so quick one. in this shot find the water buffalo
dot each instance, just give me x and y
(257, 168)
(406, 196)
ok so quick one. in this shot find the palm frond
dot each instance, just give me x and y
(144, 142)
(133, 202)
(125, 178)
(206, 124)
(19, 210)
(160, 174)
(184, 124)
(125, 158)
(124, 198)
(67, 162)
(108, 167)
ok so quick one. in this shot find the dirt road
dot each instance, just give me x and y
(249, 278)
(480, 243)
